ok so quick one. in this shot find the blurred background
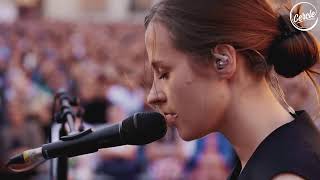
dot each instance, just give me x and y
(94, 49)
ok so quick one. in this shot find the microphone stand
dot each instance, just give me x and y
(66, 117)
(62, 162)
(63, 117)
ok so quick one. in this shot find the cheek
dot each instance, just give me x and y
(182, 93)
(200, 103)
(190, 98)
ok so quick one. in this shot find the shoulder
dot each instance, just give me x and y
(287, 176)
(291, 148)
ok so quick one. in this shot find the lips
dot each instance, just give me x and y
(171, 118)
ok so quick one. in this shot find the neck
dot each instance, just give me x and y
(254, 116)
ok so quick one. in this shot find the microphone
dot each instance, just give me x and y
(139, 129)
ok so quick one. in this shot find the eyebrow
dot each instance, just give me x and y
(157, 63)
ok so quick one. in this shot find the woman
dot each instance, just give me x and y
(214, 68)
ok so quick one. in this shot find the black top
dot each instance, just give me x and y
(292, 148)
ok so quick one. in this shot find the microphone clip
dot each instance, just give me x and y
(76, 136)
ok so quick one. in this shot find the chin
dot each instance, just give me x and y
(188, 135)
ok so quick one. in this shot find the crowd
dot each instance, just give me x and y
(105, 66)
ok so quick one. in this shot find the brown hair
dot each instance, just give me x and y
(266, 38)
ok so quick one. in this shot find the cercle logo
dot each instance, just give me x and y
(308, 16)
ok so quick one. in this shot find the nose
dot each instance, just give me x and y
(156, 96)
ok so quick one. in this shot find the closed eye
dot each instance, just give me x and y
(164, 76)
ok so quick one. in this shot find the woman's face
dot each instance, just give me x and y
(190, 95)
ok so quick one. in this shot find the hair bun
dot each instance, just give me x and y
(292, 51)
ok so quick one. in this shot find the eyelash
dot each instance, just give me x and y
(164, 76)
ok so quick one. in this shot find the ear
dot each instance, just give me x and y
(224, 60)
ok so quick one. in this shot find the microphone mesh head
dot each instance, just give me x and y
(143, 128)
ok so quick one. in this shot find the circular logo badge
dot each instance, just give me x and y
(308, 17)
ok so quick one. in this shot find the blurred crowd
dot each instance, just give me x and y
(105, 66)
